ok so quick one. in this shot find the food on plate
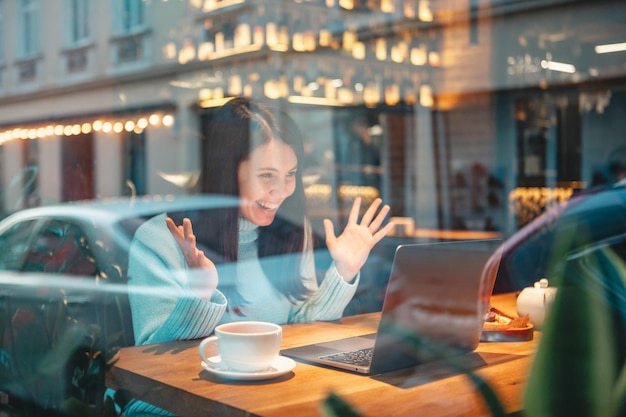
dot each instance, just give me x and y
(498, 320)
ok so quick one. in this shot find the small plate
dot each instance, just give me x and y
(522, 334)
(280, 366)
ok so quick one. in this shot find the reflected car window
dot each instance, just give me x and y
(60, 247)
(14, 245)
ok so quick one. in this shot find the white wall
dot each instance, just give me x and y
(11, 169)
(108, 165)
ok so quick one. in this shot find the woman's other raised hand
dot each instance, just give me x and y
(352, 247)
(203, 284)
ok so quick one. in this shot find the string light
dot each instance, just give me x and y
(47, 130)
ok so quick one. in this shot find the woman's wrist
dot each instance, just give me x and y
(348, 274)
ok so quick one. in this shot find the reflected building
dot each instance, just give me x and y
(483, 112)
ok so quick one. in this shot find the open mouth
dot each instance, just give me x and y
(268, 206)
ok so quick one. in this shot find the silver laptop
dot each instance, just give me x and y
(434, 307)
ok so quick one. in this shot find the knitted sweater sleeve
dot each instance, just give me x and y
(163, 306)
(330, 298)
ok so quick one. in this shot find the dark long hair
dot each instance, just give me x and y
(237, 128)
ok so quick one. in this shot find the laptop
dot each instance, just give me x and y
(434, 307)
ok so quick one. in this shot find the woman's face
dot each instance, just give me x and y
(266, 179)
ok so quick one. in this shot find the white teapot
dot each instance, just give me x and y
(536, 302)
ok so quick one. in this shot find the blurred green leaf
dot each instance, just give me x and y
(335, 406)
(69, 341)
(578, 368)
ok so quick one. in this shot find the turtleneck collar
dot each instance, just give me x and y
(246, 225)
(248, 231)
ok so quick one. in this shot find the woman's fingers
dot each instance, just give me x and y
(176, 231)
(379, 235)
(187, 228)
(329, 229)
(354, 211)
(380, 218)
(184, 236)
(370, 212)
(373, 218)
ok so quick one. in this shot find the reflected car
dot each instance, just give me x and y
(590, 218)
(63, 300)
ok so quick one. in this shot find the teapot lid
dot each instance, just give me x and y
(542, 283)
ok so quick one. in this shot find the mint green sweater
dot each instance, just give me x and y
(164, 307)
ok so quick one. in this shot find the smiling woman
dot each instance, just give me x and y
(250, 262)
(266, 179)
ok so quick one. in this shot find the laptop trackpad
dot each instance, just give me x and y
(313, 352)
(351, 343)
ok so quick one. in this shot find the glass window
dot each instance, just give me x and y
(60, 247)
(80, 21)
(14, 244)
(134, 170)
(131, 16)
(3, 37)
(28, 29)
(470, 118)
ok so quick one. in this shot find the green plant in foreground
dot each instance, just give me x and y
(580, 366)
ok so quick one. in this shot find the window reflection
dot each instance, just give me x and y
(462, 106)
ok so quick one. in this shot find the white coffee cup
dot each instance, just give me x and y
(245, 346)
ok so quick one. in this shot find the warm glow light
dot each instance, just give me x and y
(423, 11)
(381, 49)
(154, 119)
(47, 130)
(558, 66)
(358, 50)
(371, 95)
(168, 120)
(347, 4)
(319, 101)
(129, 126)
(609, 48)
(205, 104)
(426, 95)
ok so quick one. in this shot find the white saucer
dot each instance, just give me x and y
(280, 366)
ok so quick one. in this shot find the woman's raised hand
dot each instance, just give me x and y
(351, 248)
(203, 284)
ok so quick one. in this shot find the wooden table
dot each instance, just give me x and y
(170, 375)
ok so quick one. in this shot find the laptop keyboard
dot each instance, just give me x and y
(361, 357)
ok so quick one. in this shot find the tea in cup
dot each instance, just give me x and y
(245, 346)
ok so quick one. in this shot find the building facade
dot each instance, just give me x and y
(463, 114)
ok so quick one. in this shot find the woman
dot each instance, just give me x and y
(257, 262)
